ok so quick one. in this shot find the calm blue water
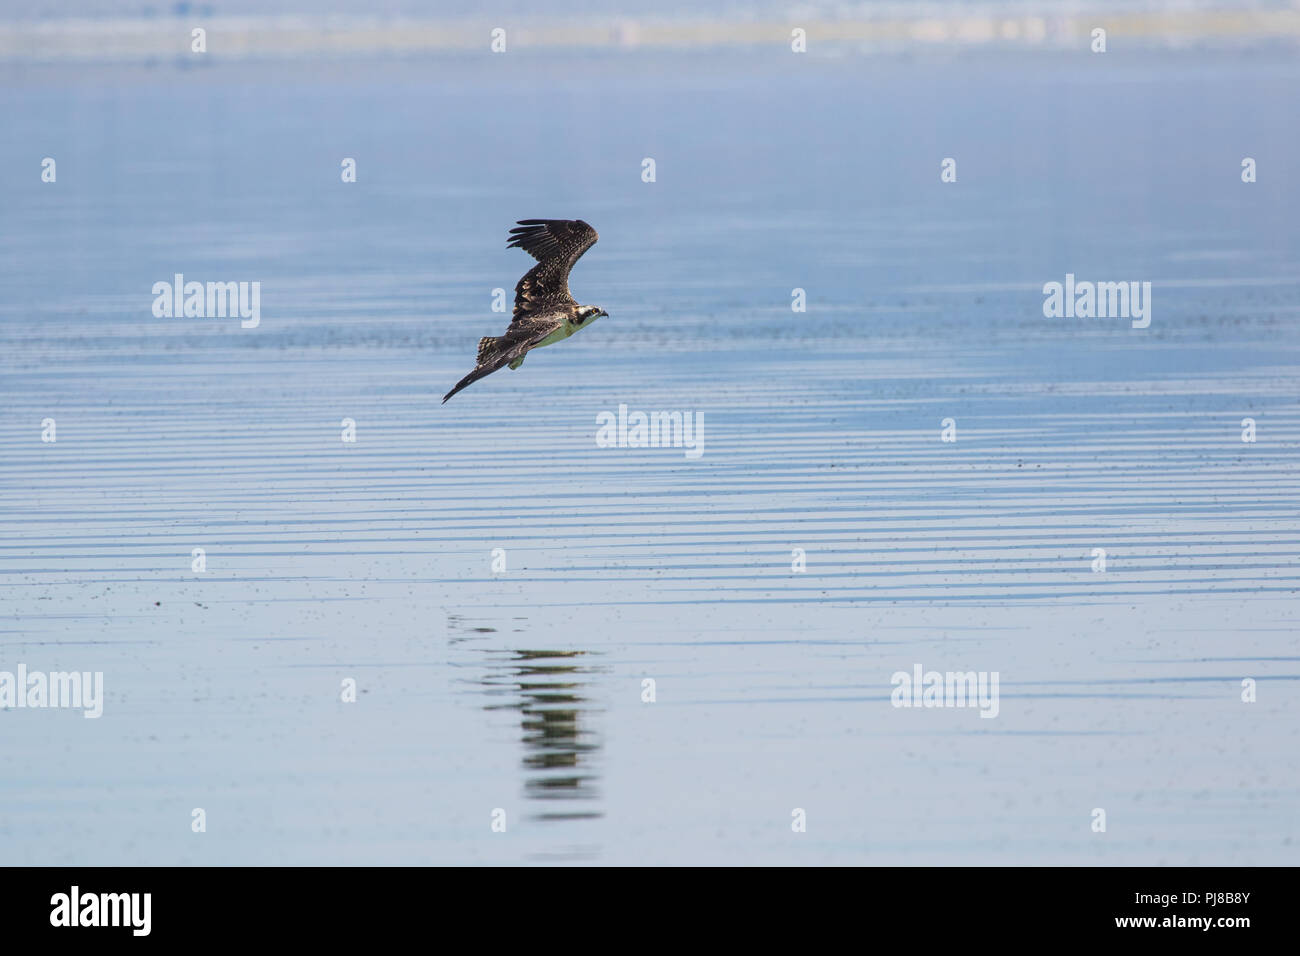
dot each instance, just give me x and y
(522, 689)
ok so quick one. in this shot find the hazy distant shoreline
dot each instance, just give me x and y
(289, 37)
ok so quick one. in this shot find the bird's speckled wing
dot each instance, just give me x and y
(556, 244)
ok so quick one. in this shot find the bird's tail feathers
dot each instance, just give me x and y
(489, 351)
(486, 346)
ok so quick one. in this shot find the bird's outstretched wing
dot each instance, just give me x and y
(556, 244)
(497, 353)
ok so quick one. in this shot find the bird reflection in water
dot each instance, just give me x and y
(560, 753)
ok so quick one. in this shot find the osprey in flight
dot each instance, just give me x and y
(545, 312)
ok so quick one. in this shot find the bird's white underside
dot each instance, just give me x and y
(559, 335)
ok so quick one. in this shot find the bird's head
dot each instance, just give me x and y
(588, 312)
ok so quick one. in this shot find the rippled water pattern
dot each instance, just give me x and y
(522, 690)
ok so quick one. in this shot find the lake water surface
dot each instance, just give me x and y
(522, 689)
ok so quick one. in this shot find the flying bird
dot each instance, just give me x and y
(545, 312)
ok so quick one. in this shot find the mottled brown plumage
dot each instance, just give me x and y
(545, 312)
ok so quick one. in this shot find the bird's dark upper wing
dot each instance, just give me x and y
(556, 244)
(521, 336)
